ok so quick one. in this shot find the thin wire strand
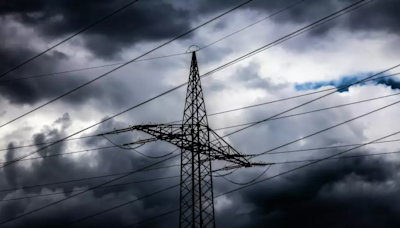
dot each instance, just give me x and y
(326, 129)
(123, 65)
(276, 163)
(309, 112)
(79, 190)
(252, 24)
(225, 174)
(24, 156)
(70, 37)
(112, 117)
(343, 157)
(134, 149)
(303, 104)
(80, 193)
(275, 176)
(84, 179)
(140, 104)
(39, 144)
(165, 56)
(86, 68)
(237, 109)
(249, 155)
(255, 179)
(121, 205)
(306, 165)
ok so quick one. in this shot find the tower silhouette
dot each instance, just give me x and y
(199, 145)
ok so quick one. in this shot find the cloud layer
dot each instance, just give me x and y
(358, 192)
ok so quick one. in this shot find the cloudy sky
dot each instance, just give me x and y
(356, 192)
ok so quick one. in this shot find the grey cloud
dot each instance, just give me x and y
(66, 168)
(249, 76)
(376, 16)
(143, 21)
(341, 193)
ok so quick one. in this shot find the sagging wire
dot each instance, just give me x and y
(134, 149)
(255, 179)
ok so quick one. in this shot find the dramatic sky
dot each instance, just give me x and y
(353, 192)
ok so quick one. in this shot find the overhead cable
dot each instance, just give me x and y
(153, 58)
(123, 65)
(236, 109)
(106, 119)
(70, 37)
(87, 190)
(79, 190)
(272, 177)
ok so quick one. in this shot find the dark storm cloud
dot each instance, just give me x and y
(67, 168)
(376, 16)
(349, 192)
(156, 20)
(144, 21)
(359, 192)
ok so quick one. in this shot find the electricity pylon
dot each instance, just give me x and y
(197, 153)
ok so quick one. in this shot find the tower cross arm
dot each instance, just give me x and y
(226, 152)
(172, 130)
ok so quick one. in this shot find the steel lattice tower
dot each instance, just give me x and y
(197, 153)
(196, 196)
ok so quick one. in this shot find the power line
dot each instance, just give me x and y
(160, 57)
(284, 99)
(344, 157)
(308, 102)
(16, 160)
(281, 152)
(292, 35)
(86, 68)
(124, 204)
(306, 28)
(254, 180)
(249, 182)
(107, 186)
(326, 129)
(134, 149)
(173, 166)
(119, 67)
(309, 164)
(215, 70)
(313, 111)
(70, 37)
(171, 177)
(84, 179)
(104, 120)
(237, 109)
(39, 144)
(87, 190)
(322, 148)
(46, 206)
(319, 160)
(278, 175)
(276, 163)
(252, 24)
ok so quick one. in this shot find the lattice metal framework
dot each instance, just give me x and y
(197, 153)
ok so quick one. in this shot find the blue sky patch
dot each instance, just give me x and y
(393, 83)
